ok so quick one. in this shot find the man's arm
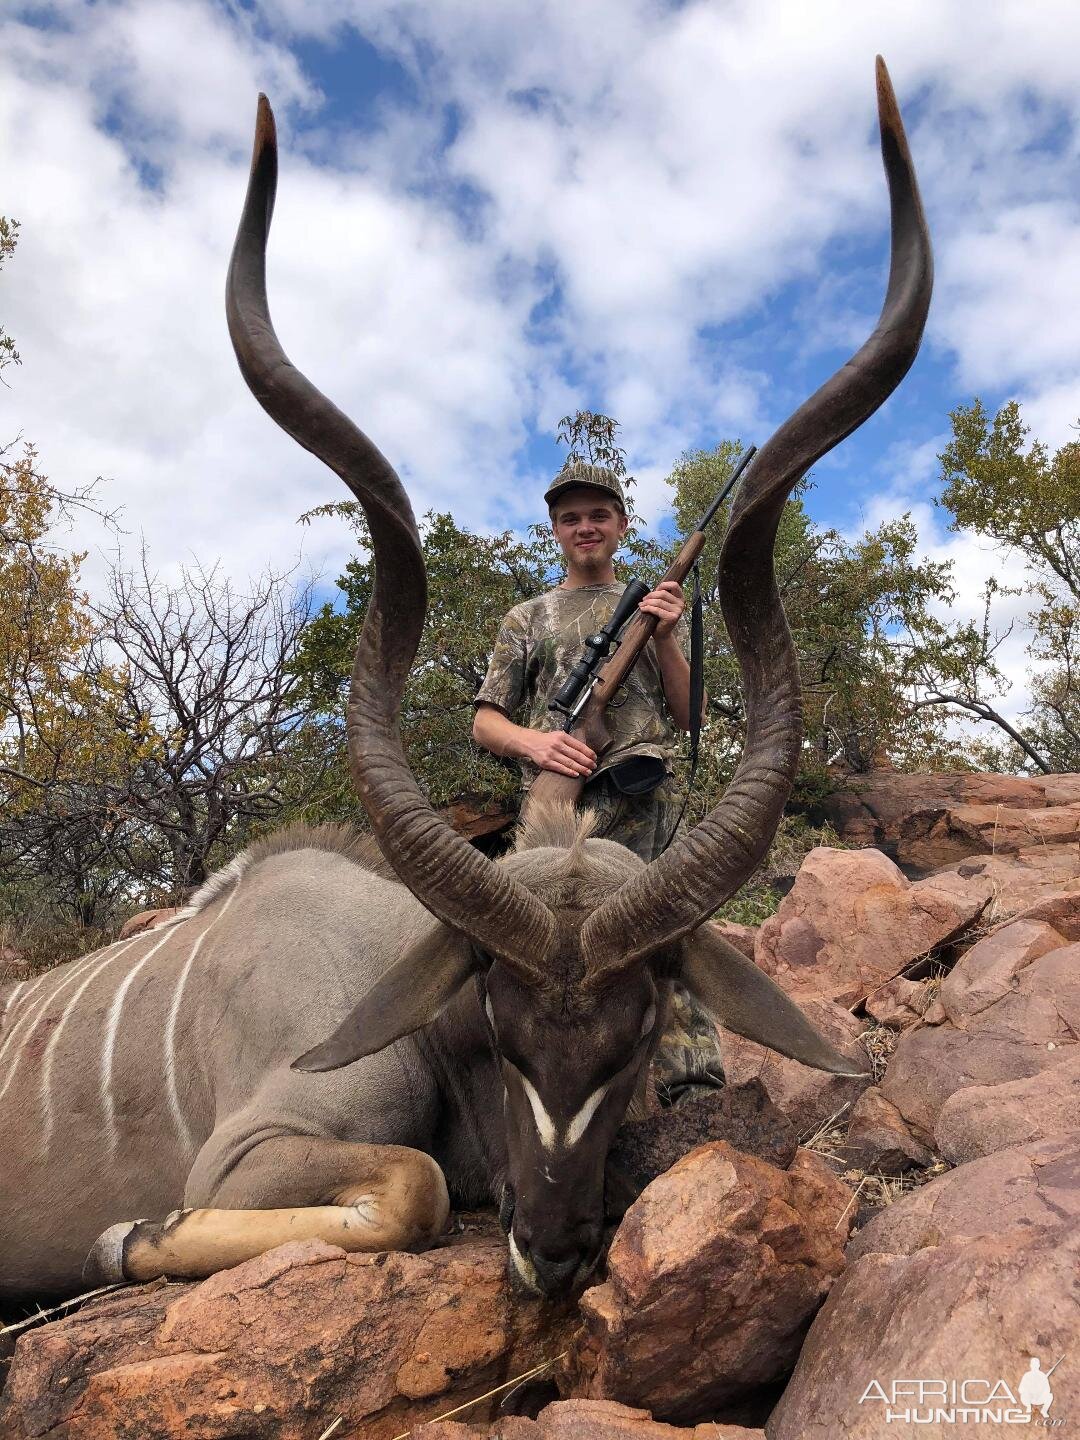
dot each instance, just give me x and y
(667, 604)
(549, 749)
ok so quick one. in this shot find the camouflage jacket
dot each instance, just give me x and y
(537, 645)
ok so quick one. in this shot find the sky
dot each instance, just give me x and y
(491, 213)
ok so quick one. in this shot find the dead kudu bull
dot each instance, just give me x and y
(490, 1022)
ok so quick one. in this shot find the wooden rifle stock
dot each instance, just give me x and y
(591, 724)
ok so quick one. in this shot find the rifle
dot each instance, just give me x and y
(593, 682)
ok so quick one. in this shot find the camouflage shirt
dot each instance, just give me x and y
(538, 644)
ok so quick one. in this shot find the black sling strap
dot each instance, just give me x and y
(697, 693)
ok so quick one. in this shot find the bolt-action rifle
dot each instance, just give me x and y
(591, 685)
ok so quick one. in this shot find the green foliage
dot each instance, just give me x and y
(1018, 494)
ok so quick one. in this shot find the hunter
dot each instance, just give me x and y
(631, 789)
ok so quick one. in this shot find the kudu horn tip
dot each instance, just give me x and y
(888, 109)
(265, 127)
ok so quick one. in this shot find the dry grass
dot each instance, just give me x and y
(879, 1042)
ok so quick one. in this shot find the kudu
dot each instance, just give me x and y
(490, 1020)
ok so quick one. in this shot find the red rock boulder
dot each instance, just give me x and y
(853, 921)
(584, 1420)
(712, 1278)
(927, 821)
(985, 1118)
(1010, 1010)
(281, 1346)
(963, 1280)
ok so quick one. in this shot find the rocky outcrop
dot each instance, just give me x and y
(712, 1278)
(1030, 1187)
(1010, 1009)
(878, 1140)
(585, 1420)
(927, 821)
(966, 1278)
(1017, 881)
(808, 1098)
(282, 1345)
(852, 921)
(985, 1118)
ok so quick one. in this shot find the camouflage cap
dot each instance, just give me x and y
(577, 473)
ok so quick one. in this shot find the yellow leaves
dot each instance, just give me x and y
(57, 697)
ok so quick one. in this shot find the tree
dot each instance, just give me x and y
(227, 745)
(1027, 500)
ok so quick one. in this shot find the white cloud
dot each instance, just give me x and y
(668, 167)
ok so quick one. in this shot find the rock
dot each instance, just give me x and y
(1022, 878)
(985, 1118)
(990, 971)
(712, 1278)
(1060, 910)
(585, 1420)
(1029, 1187)
(743, 1115)
(898, 1003)
(280, 1346)
(963, 1279)
(743, 937)
(963, 1310)
(146, 920)
(852, 921)
(806, 1097)
(878, 1139)
(1012, 1010)
(926, 821)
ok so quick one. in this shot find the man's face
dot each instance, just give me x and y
(589, 526)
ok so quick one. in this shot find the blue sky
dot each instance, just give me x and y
(492, 213)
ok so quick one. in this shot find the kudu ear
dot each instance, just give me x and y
(406, 998)
(745, 1000)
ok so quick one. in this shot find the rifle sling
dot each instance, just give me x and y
(697, 693)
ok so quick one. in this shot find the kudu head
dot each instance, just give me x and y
(570, 940)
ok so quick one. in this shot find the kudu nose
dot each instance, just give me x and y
(554, 1275)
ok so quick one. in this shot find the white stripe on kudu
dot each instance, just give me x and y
(112, 1025)
(32, 1014)
(170, 1025)
(12, 999)
(50, 1049)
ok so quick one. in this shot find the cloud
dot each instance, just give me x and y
(672, 212)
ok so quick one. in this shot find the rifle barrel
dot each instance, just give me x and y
(736, 474)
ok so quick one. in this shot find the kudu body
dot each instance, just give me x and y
(490, 1022)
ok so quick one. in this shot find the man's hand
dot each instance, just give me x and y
(555, 750)
(667, 604)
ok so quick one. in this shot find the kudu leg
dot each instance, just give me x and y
(360, 1197)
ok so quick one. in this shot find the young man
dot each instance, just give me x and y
(630, 788)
